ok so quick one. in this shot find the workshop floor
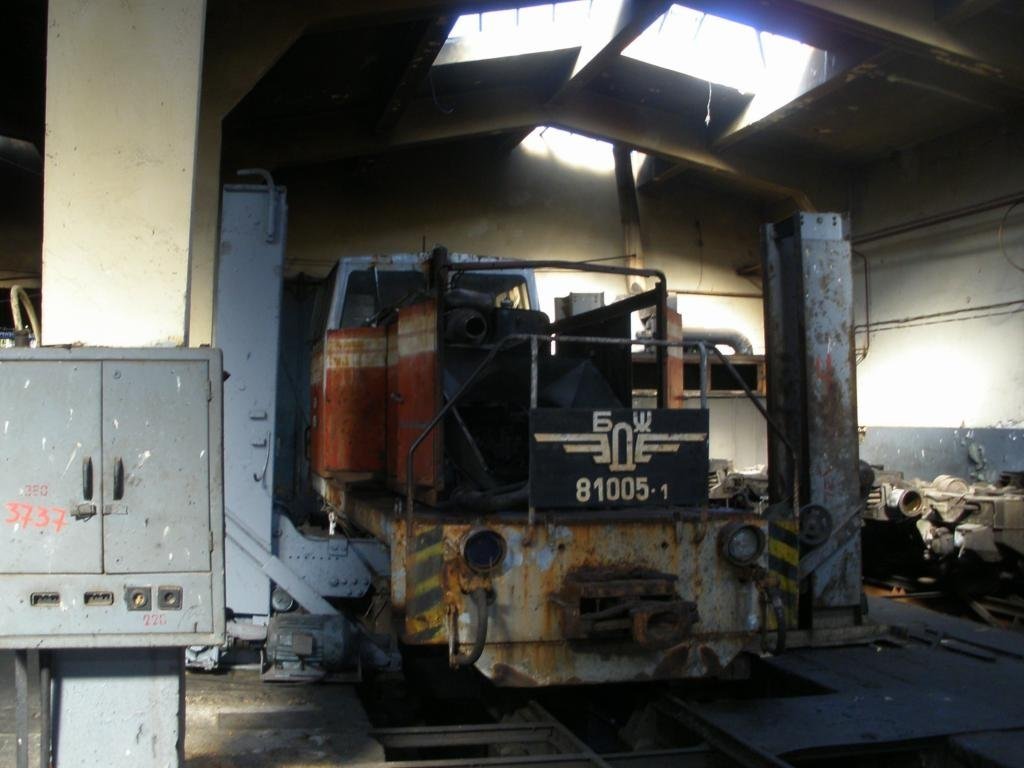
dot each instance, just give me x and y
(234, 720)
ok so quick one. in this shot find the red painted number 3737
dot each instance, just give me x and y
(27, 516)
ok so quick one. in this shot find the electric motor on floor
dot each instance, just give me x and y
(303, 647)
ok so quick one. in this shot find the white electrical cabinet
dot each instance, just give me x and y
(111, 500)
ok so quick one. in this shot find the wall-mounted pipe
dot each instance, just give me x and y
(938, 218)
(713, 336)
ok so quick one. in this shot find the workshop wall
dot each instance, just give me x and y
(478, 198)
(958, 371)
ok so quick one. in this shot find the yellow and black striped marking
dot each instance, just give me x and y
(784, 563)
(424, 606)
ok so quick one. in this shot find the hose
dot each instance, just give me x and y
(484, 501)
(20, 299)
(775, 599)
(468, 659)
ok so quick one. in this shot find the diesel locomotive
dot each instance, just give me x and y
(544, 501)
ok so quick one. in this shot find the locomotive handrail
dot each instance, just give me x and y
(573, 266)
(534, 338)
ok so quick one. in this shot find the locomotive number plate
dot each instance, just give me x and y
(582, 458)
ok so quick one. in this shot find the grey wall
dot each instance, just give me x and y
(963, 371)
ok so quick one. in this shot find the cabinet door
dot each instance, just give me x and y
(50, 467)
(156, 481)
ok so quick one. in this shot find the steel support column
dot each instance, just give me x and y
(808, 287)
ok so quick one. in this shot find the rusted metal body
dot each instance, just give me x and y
(416, 394)
(812, 392)
(588, 586)
(678, 608)
(372, 391)
(348, 400)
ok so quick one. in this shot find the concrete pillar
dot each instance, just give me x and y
(122, 101)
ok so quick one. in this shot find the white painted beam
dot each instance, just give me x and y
(612, 26)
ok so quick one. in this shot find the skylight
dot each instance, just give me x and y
(723, 52)
(536, 28)
(571, 149)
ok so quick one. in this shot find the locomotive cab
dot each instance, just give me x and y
(545, 524)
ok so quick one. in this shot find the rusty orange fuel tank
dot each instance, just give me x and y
(414, 389)
(349, 395)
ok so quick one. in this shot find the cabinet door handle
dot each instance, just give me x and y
(118, 479)
(87, 478)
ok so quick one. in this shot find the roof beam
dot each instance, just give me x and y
(612, 26)
(663, 134)
(319, 140)
(324, 139)
(911, 27)
(950, 12)
(416, 71)
(655, 170)
(825, 74)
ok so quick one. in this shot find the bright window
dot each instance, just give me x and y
(571, 149)
(723, 52)
(497, 34)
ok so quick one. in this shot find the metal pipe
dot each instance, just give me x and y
(573, 266)
(21, 707)
(728, 336)
(722, 294)
(45, 714)
(468, 659)
(703, 375)
(938, 218)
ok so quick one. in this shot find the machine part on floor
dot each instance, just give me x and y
(811, 388)
(968, 537)
(739, 489)
(601, 558)
(247, 321)
(905, 501)
(247, 631)
(303, 647)
(203, 657)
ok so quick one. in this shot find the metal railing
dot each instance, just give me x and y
(535, 340)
